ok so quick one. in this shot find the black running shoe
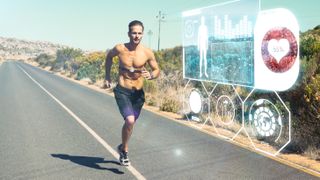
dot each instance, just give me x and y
(124, 159)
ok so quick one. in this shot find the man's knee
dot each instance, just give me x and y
(130, 120)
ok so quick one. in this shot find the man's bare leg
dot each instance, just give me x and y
(127, 129)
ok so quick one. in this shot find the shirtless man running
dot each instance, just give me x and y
(129, 94)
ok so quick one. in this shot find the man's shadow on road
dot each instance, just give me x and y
(92, 162)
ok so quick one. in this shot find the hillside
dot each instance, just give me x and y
(12, 48)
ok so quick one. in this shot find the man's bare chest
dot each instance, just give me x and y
(130, 59)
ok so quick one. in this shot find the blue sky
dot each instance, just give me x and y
(100, 24)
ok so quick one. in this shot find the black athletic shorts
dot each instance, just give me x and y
(129, 101)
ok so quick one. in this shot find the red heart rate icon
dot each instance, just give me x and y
(279, 49)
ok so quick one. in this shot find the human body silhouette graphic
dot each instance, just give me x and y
(203, 46)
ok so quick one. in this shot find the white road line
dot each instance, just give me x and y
(136, 173)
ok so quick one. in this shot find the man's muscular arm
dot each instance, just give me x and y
(153, 64)
(108, 63)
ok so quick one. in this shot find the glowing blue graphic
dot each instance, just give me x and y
(218, 42)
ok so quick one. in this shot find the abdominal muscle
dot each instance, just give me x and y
(131, 80)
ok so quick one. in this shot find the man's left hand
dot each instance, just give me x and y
(146, 74)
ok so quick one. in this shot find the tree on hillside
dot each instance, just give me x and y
(66, 59)
(45, 59)
(170, 60)
(304, 98)
(91, 66)
(309, 44)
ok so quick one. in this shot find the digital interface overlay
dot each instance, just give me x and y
(231, 48)
(218, 42)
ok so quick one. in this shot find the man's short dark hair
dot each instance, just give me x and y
(134, 23)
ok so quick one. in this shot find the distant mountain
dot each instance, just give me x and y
(12, 48)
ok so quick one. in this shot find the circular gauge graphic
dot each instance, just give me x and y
(225, 110)
(195, 101)
(265, 119)
(189, 29)
(279, 49)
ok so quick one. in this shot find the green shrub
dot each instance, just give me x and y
(151, 100)
(170, 105)
(150, 86)
(304, 97)
(45, 60)
(89, 70)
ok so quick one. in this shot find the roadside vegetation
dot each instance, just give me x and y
(166, 92)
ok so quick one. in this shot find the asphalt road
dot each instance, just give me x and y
(51, 128)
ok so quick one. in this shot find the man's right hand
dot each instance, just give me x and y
(106, 84)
